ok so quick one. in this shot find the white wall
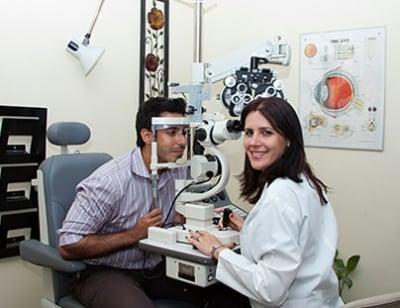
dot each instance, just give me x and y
(35, 70)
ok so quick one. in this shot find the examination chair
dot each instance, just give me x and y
(57, 178)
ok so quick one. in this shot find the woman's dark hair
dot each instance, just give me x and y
(283, 118)
(154, 107)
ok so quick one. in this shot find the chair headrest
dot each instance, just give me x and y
(68, 133)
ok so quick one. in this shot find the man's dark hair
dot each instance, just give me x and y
(283, 118)
(154, 107)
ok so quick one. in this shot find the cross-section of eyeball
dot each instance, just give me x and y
(335, 92)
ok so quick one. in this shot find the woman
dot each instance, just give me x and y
(288, 240)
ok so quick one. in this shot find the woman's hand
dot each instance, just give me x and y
(235, 221)
(206, 243)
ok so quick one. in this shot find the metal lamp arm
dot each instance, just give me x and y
(89, 33)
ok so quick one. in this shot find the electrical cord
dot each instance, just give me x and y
(176, 197)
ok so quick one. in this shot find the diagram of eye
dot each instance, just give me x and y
(314, 121)
(337, 93)
(341, 129)
(342, 88)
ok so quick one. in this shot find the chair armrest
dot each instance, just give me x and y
(384, 300)
(44, 255)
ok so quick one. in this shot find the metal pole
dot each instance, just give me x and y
(198, 31)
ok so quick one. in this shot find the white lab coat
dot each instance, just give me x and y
(288, 243)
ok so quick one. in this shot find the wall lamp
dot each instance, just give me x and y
(87, 56)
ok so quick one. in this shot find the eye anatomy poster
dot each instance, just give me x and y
(342, 88)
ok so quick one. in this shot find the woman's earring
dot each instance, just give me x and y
(288, 143)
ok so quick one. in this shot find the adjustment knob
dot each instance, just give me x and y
(233, 126)
(201, 134)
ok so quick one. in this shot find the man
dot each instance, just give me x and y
(113, 210)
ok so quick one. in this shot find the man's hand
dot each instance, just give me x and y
(153, 218)
(94, 245)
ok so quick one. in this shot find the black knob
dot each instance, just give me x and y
(225, 217)
(233, 126)
(201, 134)
(191, 110)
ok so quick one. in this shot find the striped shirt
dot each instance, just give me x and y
(113, 199)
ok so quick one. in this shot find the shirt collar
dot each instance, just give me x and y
(138, 166)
